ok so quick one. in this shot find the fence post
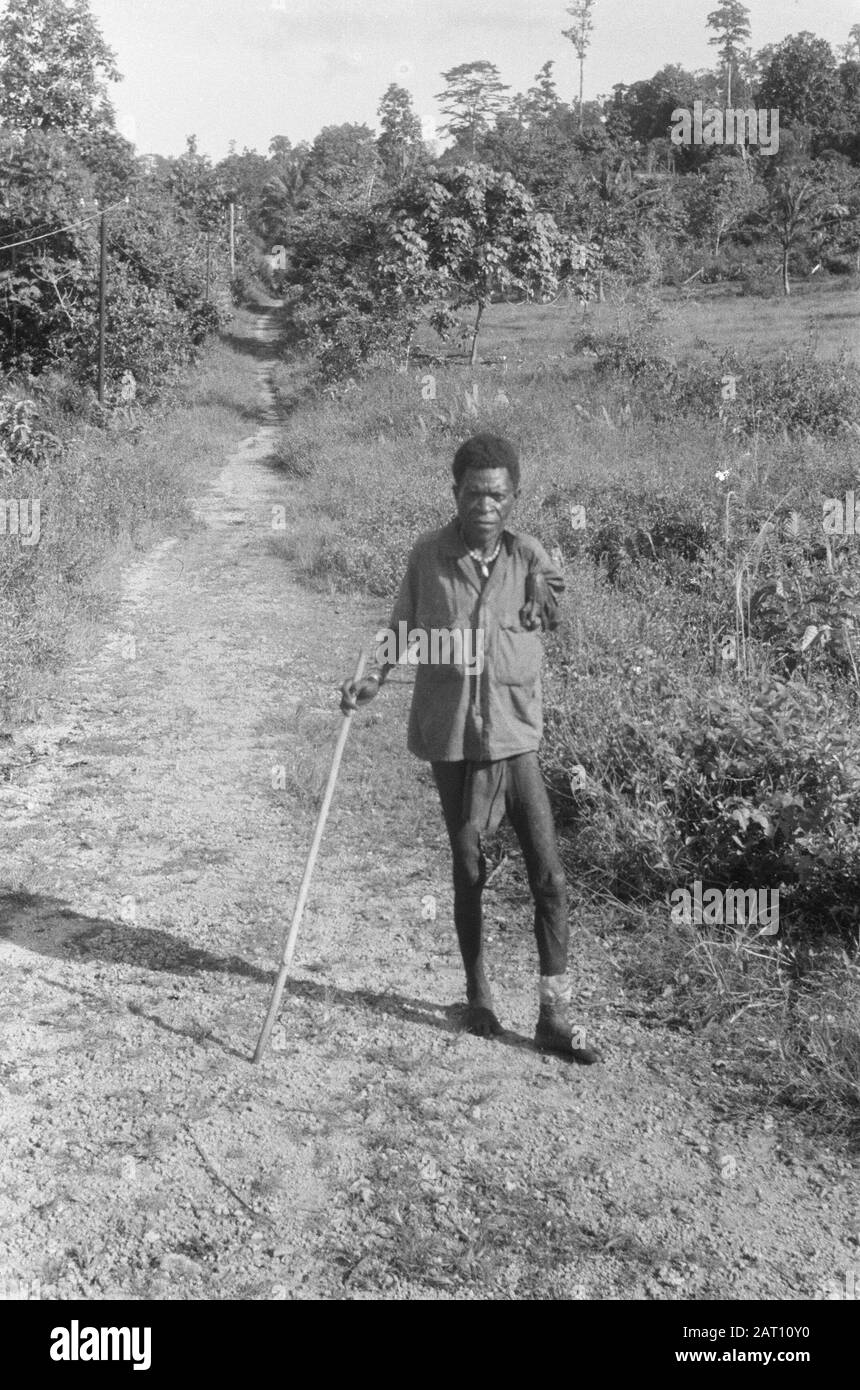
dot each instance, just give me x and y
(102, 306)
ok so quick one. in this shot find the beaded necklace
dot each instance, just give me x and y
(484, 564)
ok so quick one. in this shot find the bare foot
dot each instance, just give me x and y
(481, 1020)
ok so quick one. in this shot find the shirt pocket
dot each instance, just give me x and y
(518, 655)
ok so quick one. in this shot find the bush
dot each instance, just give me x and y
(792, 391)
(766, 791)
(808, 611)
(755, 787)
(840, 265)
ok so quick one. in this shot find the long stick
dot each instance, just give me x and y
(289, 945)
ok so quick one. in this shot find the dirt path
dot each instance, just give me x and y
(154, 828)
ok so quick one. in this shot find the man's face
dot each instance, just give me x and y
(485, 499)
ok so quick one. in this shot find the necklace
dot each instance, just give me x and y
(484, 564)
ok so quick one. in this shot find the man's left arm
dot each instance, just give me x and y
(544, 588)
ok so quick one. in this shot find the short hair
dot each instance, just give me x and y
(486, 451)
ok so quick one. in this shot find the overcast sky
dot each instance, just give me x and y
(249, 69)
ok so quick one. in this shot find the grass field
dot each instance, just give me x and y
(703, 318)
(702, 693)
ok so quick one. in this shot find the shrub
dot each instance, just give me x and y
(808, 612)
(757, 787)
(793, 391)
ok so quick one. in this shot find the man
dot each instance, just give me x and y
(476, 715)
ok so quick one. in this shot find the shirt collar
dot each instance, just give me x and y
(451, 538)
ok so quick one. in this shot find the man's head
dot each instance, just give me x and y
(486, 484)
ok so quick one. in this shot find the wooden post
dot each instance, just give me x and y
(232, 240)
(102, 307)
(208, 264)
(14, 305)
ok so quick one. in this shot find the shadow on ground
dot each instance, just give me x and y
(275, 318)
(264, 349)
(47, 926)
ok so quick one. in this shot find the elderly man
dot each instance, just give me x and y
(476, 715)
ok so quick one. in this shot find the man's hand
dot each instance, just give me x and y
(354, 693)
(539, 609)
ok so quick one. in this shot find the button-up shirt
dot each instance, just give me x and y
(477, 710)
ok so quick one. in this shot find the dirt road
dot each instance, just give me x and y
(154, 826)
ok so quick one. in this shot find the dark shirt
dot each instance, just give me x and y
(488, 710)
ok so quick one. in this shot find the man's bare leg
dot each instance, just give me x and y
(530, 814)
(470, 874)
(469, 877)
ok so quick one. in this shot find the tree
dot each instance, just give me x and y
(196, 188)
(280, 195)
(482, 236)
(843, 236)
(648, 104)
(532, 139)
(844, 131)
(54, 68)
(473, 94)
(541, 101)
(580, 36)
(43, 186)
(800, 80)
(157, 284)
(368, 276)
(342, 166)
(722, 196)
(851, 50)
(364, 279)
(802, 209)
(399, 144)
(278, 202)
(247, 175)
(731, 25)
(111, 160)
(510, 147)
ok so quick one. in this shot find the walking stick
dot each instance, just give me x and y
(289, 945)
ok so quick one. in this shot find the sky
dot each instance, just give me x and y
(246, 70)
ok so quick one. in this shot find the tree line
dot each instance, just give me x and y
(534, 194)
